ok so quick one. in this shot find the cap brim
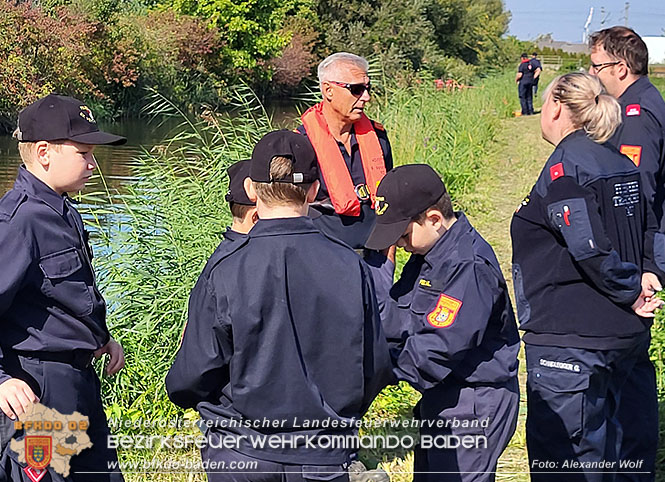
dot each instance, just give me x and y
(385, 235)
(99, 138)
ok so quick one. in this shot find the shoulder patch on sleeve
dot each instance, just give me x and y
(556, 171)
(633, 110)
(444, 313)
(634, 153)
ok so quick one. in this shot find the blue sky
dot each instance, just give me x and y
(565, 19)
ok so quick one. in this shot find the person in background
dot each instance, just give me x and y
(524, 79)
(582, 244)
(537, 70)
(353, 151)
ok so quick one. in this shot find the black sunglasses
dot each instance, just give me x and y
(598, 67)
(356, 89)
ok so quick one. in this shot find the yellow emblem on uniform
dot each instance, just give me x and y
(444, 313)
(425, 282)
(634, 153)
(381, 205)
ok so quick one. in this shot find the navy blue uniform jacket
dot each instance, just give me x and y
(48, 298)
(449, 317)
(272, 335)
(641, 136)
(581, 240)
(353, 230)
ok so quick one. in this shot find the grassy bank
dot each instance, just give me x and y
(173, 217)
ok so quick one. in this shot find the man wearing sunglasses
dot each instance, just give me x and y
(619, 58)
(353, 151)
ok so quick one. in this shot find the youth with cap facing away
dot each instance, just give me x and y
(53, 317)
(270, 340)
(242, 208)
(450, 325)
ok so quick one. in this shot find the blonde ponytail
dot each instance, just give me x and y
(590, 106)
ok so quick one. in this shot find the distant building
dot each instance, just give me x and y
(656, 46)
(546, 41)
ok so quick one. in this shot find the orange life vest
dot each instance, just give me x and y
(335, 172)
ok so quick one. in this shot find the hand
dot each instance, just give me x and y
(390, 253)
(646, 306)
(116, 356)
(16, 398)
(650, 285)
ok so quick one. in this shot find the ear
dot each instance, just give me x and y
(326, 90)
(249, 189)
(42, 154)
(313, 191)
(622, 70)
(255, 215)
(556, 110)
(435, 218)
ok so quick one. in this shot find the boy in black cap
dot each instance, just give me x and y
(279, 361)
(242, 208)
(53, 316)
(451, 327)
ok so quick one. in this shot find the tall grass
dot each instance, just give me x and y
(168, 223)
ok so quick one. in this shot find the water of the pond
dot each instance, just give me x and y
(117, 162)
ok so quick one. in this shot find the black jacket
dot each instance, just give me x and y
(581, 241)
(49, 301)
(270, 335)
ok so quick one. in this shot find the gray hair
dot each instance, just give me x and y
(328, 64)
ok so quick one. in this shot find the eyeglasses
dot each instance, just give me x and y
(356, 89)
(598, 67)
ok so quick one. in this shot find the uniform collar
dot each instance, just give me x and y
(635, 88)
(231, 235)
(28, 182)
(281, 226)
(449, 240)
(572, 136)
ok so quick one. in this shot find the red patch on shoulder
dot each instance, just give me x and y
(633, 110)
(556, 171)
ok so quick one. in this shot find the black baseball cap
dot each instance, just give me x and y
(289, 144)
(404, 193)
(236, 194)
(58, 117)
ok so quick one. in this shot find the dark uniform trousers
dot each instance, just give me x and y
(525, 91)
(640, 437)
(65, 388)
(232, 466)
(499, 405)
(573, 397)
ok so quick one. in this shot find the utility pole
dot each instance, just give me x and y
(625, 15)
(604, 17)
(585, 33)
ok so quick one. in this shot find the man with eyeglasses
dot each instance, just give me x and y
(353, 151)
(619, 58)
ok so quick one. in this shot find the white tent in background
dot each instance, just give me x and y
(656, 46)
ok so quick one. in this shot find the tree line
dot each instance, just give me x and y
(109, 51)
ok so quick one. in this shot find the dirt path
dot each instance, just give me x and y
(518, 156)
